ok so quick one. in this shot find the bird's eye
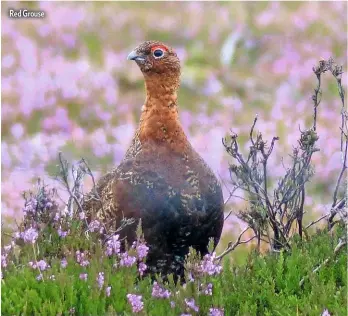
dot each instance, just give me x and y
(158, 53)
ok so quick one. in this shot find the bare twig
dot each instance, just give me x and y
(274, 216)
(228, 215)
(231, 247)
(317, 220)
(64, 179)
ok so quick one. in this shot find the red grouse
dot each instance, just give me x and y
(161, 180)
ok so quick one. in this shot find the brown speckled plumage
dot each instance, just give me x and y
(161, 180)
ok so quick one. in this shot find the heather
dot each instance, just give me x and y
(259, 77)
(96, 281)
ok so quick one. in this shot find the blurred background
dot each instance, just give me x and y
(67, 86)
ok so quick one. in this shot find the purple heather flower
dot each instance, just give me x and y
(94, 226)
(84, 263)
(208, 266)
(142, 268)
(39, 277)
(42, 265)
(8, 61)
(108, 291)
(82, 215)
(142, 250)
(81, 259)
(127, 260)
(325, 312)
(7, 248)
(172, 304)
(83, 276)
(208, 289)
(136, 302)
(64, 263)
(4, 261)
(100, 279)
(113, 246)
(191, 304)
(30, 206)
(159, 292)
(48, 205)
(56, 217)
(32, 264)
(62, 233)
(216, 312)
(186, 314)
(30, 235)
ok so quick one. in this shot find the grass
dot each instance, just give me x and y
(263, 285)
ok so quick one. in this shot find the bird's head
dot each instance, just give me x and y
(156, 58)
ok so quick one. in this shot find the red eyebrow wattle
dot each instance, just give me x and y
(159, 47)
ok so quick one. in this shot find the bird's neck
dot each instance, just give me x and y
(161, 95)
(159, 121)
(161, 88)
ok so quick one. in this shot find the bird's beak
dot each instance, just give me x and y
(133, 55)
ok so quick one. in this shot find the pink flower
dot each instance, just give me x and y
(191, 304)
(83, 276)
(39, 277)
(208, 289)
(142, 268)
(142, 250)
(127, 260)
(325, 312)
(30, 235)
(7, 248)
(113, 246)
(136, 302)
(64, 263)
(208, 266)
(159, 292)
(81, 259)
(4, 261)
(17, 130)
(100, 279)
(94, 226)
(108, 291)
(216, 312)
(62, 233)
(30, 206)
(42, 265)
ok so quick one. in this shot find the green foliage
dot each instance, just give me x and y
(265, 285)
(94, 47)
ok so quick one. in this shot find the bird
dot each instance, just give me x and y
(161, 181)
